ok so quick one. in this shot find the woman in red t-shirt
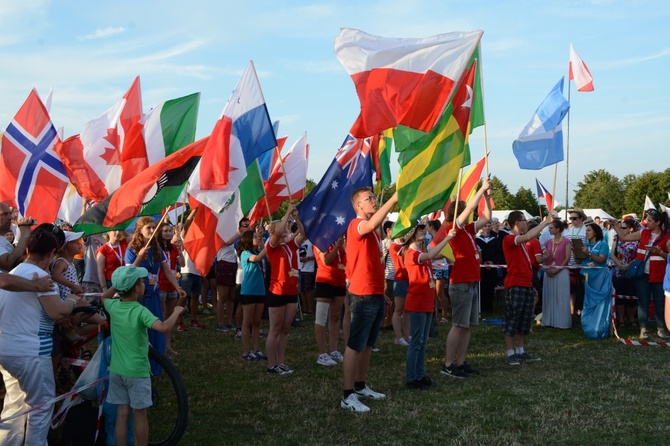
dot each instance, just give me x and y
(110, 256)
(282, 253)
(420, 301)
(168, 293)
(330, 292)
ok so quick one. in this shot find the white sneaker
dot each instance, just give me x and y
(337, 356)
(402, 342)
(325, 359)
(369, 393)
(353, 404)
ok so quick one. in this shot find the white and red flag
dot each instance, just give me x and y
(579, 72)
(33, 177)
(288, 176)
(108, 152)
(403, 81)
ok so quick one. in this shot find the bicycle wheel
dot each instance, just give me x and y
(169, 414)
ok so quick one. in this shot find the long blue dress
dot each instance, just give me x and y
(596, 314)
(151, 298)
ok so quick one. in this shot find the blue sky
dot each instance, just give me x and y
(90, 52)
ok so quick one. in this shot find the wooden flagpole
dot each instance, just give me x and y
(458, 193)
(160, 222)
(265, 194)
(283, 170)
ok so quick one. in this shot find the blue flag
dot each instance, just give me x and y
(540, 143)
(327, 210)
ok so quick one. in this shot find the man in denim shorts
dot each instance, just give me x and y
(463, 280)
(519, 291)
(365, 271)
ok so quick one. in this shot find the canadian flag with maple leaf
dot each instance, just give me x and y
(122, 142)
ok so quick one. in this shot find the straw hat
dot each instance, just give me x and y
(411, 232)
(579, 212)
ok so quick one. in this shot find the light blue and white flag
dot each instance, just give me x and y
(540, 143)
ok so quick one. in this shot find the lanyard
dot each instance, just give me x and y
(289, 254)
(116, 253)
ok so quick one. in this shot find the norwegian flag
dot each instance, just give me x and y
(33, 177)
(327, 210)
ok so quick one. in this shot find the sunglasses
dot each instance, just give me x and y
(575, 218)
(370, 198)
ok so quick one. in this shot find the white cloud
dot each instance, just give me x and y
(102, 33)
(636, 60)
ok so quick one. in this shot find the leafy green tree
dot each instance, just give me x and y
(502, 198)
(525, 199)
(600, 189)
(654, 184)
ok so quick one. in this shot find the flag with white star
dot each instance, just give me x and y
(327, 211)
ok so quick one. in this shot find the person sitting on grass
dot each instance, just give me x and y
(129, 370)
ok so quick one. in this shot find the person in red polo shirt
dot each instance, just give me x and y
(365, 271)
(519, 291)
(282, 302)
(463, 280)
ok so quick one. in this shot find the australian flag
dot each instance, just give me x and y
(32, 174)
(327, 210)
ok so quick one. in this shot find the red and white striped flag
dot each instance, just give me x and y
(579, 72)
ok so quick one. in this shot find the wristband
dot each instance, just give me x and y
(74, 302)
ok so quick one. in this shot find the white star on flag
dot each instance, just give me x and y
(314, 208)
(334, 184)
(339, 220)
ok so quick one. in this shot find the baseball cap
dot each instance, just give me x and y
(125, 277)
(72, 236)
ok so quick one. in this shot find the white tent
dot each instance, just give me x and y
(502, 215)
(593, 213)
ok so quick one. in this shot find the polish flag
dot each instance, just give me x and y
(579, 72)
(403, 81)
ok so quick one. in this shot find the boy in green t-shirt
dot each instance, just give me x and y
(130, 376)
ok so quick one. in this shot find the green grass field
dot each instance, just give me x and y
(582, 392)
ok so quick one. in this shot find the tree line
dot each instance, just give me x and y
(598, 189)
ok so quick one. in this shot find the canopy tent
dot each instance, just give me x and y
(502, 215)
(593, 213)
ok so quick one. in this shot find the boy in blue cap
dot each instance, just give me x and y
(130, 376)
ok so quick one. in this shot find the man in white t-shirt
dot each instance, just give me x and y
(576, 230)
(10, 254)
